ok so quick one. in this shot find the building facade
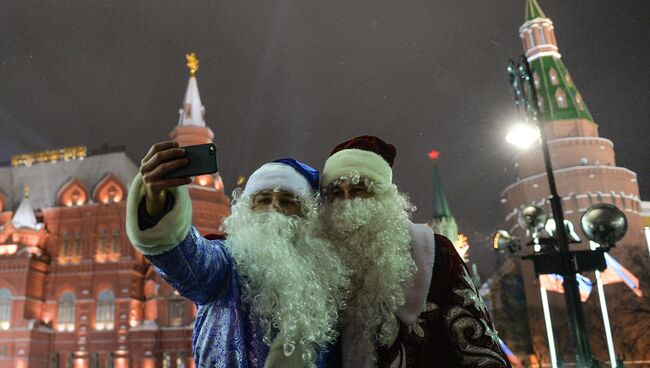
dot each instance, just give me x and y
(586, 173)
(73, 291)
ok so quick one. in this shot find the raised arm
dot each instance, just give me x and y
(198, 268)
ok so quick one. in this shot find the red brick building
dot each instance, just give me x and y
(73, 292)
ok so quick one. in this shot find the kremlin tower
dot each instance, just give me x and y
(442, 221)
(586, 173)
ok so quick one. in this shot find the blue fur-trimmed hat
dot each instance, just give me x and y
(286, 174)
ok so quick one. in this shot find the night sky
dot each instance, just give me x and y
(294, 78)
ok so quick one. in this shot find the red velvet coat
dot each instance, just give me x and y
(454, 329)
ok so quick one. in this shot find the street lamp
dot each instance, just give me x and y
(604, 224)
(555, 260)
(523, 135)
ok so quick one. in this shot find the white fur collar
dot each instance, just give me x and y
(423, 252)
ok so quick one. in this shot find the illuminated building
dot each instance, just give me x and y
(73, 291)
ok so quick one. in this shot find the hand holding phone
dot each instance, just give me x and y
(202, 160)
(167, 165)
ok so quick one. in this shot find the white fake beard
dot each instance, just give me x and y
(372, 237)
(291, 277)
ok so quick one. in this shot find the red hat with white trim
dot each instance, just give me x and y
(368, 156)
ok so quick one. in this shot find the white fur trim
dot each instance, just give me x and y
(169, 231)
(423, 251)
(277, 175)
(366, 163)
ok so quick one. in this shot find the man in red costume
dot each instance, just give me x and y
(412, 301)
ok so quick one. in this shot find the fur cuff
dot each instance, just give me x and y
(423, 250)
(169, 231)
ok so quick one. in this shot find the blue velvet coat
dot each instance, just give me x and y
(225, 333)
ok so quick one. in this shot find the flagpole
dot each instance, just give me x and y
(647, 237)
(549, 327)
(547, 310)
(603, 309)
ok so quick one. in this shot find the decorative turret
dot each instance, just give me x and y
(24, 216)
(24, 231)
(559, 99)
(442, 221)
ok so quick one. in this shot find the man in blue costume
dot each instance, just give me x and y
(269, 295)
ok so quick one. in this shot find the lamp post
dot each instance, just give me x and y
(526, 99)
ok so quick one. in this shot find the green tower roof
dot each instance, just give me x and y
(440, 206)
(533, 10)
(559, 99)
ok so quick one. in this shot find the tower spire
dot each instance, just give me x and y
(193, 112)
(191, 128)
(442, 222)
(533, 10)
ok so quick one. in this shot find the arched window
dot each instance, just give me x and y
(167, 360)
(94, 360)
(116, 241)
(65, 249)
(5, 309)
(531, 41)
(560, 98)
(115, 248)
(102, 246)
(77, 243)
(105, 317)
(553, 75)
(66, 314)
(175, 309)
(579, 101)
(568, 80)
(180, 360)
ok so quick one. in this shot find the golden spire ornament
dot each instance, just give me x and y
(26, 191)
(192, 63)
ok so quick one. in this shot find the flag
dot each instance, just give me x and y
(615, 272)
(512, 358)
(553, 282)
(433, 154)
(584, 286)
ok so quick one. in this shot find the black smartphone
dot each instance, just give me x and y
(202, 160)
